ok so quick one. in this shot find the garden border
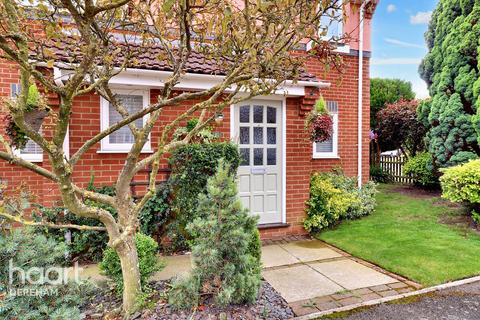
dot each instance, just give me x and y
(391, 298)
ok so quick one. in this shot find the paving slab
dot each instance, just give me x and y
(307, 251)
(300, 283)
(180, 265)
(351, 275)
(275, 256)
(88, 272)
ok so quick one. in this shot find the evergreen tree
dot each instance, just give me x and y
(451, 70)
(226, 251)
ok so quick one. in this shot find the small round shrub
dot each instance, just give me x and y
(148, 261)
(462, 184)
(422, 170)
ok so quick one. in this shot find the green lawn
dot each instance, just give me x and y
(404, 236)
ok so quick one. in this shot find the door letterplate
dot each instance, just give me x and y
(255, 170)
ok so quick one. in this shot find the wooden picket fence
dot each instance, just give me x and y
(394, 166)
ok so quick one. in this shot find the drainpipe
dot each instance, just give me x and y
(360, 93)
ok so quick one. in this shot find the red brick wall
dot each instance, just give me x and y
(300, 165)
(105, 167)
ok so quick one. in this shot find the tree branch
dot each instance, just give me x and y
(31, 223)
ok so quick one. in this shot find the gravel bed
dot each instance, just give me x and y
(269, 305)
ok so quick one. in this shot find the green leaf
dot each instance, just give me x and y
(167, 5)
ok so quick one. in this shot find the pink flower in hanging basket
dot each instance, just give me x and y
(321, 128)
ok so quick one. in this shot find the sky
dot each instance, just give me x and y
(398, 44)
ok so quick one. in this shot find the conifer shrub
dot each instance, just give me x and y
(462, 184)
(147, 249)
(226, 251)
(56, 299)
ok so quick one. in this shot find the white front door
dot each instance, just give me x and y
(258, 131)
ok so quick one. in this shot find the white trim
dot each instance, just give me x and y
(190, 81)
(105, 145)
(360, 96)
(283, 177)
(334, 153)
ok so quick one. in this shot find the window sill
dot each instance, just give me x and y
(122, 151)
(30, 158)
(319, 157)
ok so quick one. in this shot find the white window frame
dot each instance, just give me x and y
(31, 157)
(334, 153)
(38, 157)
(105, 145)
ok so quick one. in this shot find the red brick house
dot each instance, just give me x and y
(278, 159)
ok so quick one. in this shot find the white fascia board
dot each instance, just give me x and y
(191, 81)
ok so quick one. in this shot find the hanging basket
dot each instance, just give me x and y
(17, 137)
(319, 124)
(34, 116)
(320, 128)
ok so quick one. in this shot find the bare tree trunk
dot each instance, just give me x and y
(127, 252)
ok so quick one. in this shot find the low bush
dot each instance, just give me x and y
(334, 197)
(192, 165)
(88, 245)
(462, 184)
(378, 175)
(422, 170)
(226, 251)
(85, 245)
(147, 249)
(27, 249)
(156, 212)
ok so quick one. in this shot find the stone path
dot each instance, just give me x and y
(313, 276)
(310, 275)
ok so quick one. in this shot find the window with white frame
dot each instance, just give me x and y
(331, 23)
(32, 151)
(329, 148)
(122, 139)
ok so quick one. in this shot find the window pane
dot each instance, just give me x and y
(258, 114)
(271, 156)
(326, 146)
(258, 156)
(133, 104)
(244, 135)
(258, 135)
(245, 156)
(31, 148)
(271, 115)
(272, 135)
(245, 114)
